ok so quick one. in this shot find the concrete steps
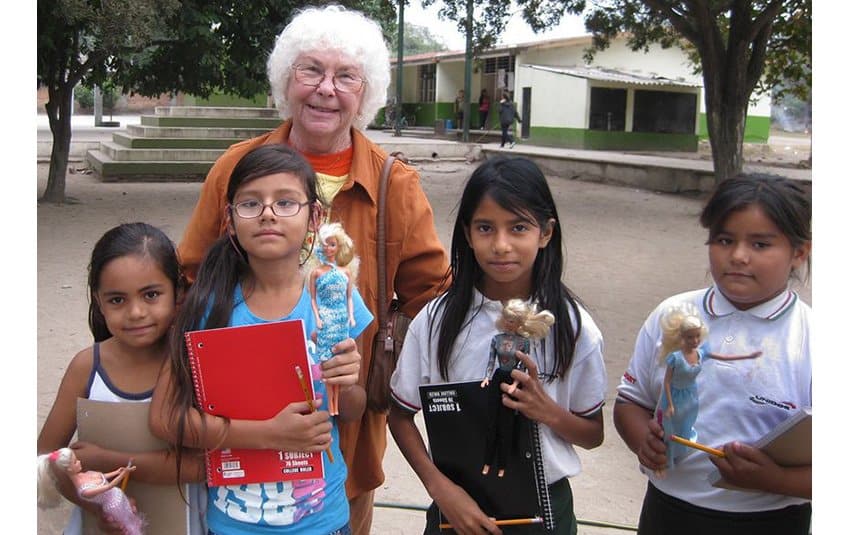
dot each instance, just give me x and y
(182, 143)
(118, 152)
(110, 170)
(215, 111)
(177, 142)
(233, 122)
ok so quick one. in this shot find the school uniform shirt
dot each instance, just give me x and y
(739, 400)
(582, 391)
(314, 506)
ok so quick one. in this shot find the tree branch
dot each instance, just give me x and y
(755, 67)
(766, 17)
(678, 21)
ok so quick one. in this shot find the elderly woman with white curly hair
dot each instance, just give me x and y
(329, 73)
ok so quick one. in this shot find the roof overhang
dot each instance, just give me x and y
(613, 75)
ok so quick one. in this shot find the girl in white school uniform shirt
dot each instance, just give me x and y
(506, 245)
(759, 235)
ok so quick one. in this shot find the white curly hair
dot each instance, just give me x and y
(333, 27)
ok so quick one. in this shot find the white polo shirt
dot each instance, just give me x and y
(582, 391)
(738, 400)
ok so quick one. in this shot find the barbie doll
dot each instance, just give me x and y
(519, 324)
(93, 486)
(331, 287)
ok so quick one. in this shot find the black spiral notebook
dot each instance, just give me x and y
(456, 422)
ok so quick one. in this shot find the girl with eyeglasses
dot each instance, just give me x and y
(254, 274)
(328, 72)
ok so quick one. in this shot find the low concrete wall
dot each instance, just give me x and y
(655, 178)
(77, 151)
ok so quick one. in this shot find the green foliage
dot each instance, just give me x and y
(490, 17)
(417, 40)
(79, 39)
(222, 47)
(84, 97)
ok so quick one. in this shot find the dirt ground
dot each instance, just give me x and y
(626, 250)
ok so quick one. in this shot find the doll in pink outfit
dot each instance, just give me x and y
(97, 487)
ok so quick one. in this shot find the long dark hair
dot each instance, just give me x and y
(209, 303)
(139, 239)
(517, 185)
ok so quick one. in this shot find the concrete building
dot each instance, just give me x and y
(622, 100)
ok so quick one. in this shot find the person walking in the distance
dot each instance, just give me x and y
(483, 109)
(459, 102)
(507, 115)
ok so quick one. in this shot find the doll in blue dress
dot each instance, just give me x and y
(331, 290)
(682, 351)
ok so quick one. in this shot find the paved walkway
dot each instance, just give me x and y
(86, 135)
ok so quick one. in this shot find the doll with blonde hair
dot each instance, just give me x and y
(91, 485)
(682, 351)
(519, 324)
(332, 289)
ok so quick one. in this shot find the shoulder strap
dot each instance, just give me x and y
(382, 241)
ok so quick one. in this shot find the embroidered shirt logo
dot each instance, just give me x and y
(785, 405)
(628, 377)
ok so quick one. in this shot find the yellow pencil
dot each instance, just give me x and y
(698, 446)
(126, 477)
(508, 522)
(303, 381)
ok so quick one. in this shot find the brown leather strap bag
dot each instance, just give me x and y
(392, 324)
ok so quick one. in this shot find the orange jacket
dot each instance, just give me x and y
(416, 262)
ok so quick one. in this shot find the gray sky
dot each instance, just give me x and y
(517, 30)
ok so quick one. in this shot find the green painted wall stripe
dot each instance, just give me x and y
(427, 113)
(601, 140)
(757, 129)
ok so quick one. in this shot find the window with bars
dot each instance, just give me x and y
(427, 83)
(493, 65)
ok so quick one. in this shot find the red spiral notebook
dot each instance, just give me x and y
(248, 373)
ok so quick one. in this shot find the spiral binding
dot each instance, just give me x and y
(543, 498)
(195, 367)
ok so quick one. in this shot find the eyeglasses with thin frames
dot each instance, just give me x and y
(281, 208)
(312, 75)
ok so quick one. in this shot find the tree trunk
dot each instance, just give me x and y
(726, 134)
(59, 108)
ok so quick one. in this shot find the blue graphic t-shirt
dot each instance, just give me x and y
(314, 506)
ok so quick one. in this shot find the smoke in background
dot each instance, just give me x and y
(791, 115)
